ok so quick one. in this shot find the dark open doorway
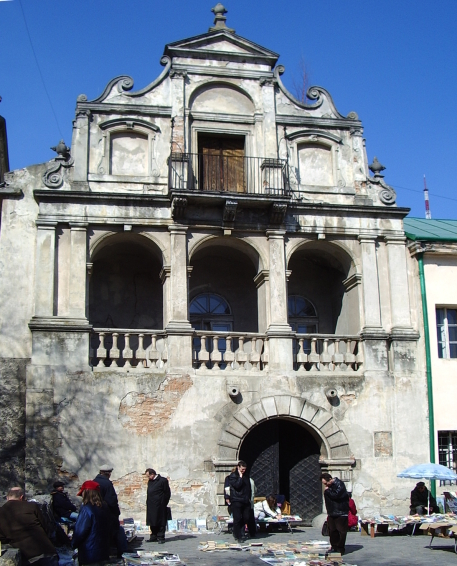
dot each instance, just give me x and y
(283, 458)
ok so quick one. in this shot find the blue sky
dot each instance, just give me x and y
(393, 62)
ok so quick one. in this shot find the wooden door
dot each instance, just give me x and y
(221, 164)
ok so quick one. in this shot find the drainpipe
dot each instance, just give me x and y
(431, 423)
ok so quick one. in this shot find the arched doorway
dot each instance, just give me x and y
(283, 458)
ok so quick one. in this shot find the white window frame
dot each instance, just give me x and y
(447, 456)
(443, 332)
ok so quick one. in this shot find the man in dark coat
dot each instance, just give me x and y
(61, 504)
(337, 504)
(22, 526)
(109, 496)
(420, 501)
(156, 505)
(240, 499)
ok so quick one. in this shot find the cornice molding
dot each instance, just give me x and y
(317, 121)
(223, 117)
(223, 72)
(114, 108)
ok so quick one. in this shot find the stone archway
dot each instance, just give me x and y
(335, 455)
(317, 419)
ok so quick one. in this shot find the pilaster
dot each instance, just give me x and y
(44, 269)
(370, 284)
(80, 146)
(78, 269)
(399, 289)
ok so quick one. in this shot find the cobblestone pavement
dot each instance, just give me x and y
(361, 550)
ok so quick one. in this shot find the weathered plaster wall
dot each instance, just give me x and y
(12, 422)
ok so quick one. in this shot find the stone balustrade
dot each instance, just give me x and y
(146, 350)
(124, 349)
(327, 352)
(230, 351)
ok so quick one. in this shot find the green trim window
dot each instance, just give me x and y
(446, 328)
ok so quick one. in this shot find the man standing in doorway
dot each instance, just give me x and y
(337, 504)
(157, 500)
(240, 499)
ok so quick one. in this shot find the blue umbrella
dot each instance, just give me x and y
(428, 472)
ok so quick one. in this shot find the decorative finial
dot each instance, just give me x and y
(63, 152)
(219, 20)
(376, 168)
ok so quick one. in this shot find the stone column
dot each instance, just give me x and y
(263, 298)
(279, 330)
(44, 269)
(78, 269)
(178, 326)
(371, 302)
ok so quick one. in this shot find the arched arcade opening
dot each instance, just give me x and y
(125, 290)
(321, 277)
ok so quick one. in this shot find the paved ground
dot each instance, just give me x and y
(361, 550)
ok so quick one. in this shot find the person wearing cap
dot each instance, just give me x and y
(157, 500)
(107, 491)
(61, 503)
(92, 533)
(420, 500)
(109, 496)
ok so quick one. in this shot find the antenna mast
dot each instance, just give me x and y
(428, 214)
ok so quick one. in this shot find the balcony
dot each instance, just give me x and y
(147, 350)
(236, 174)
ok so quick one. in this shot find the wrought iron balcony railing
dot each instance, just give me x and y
(225, 173)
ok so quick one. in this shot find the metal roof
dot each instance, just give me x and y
(430, 230)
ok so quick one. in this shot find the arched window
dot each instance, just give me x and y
(210, 312)
(302, 315)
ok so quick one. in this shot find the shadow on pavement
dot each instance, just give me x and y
(179, 537)
(353, 548)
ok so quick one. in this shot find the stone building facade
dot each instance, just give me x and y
(210, 273)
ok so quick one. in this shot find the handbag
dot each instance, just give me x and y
(169, 517)
(325, 532)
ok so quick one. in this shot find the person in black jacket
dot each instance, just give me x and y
(109, 496)
(337, 504)
(156, 505)
(240, 499)
(61, 503)
(420, 501)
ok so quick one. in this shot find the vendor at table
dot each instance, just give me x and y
(420, 501)
(268, 508)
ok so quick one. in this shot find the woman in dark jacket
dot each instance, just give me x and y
(92, 533)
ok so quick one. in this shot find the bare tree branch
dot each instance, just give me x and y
(300, 81)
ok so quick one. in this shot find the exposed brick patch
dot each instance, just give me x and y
(131, 491)
(145, 412)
